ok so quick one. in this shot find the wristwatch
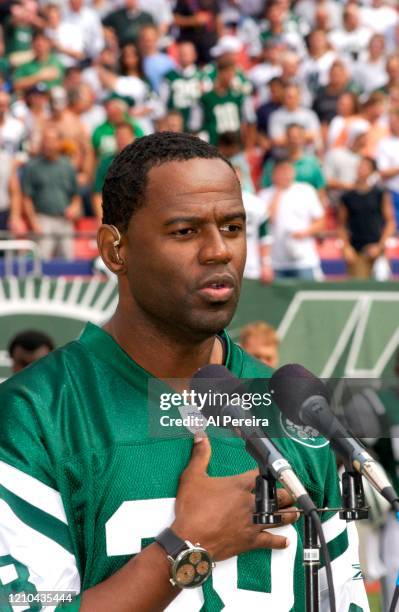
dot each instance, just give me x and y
(191, 564)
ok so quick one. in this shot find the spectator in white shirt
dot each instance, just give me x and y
(392, 36)
(66, 37)
(292, 112)
(296, 215)
(341, 163)
(369, 72)
(315, 69)
(160, 11)
(387, 158)
(256, 232)
(12, 130)
(88, 22)
(379, 16)
(353, 38)
(307, 11)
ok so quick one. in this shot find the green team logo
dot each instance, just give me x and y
(354, 332)
(332, 331)
(305, 435)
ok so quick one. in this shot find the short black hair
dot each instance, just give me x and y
(372, 163)
(229, 139)
(30, 340)
(126, 181)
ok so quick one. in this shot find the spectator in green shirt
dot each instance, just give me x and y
(127, 21)
(103, 139)
(45, 67)
(18, 28)
(124, 135)
(51, 200)
(307, 167)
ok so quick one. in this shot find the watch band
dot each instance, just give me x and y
(170, 542)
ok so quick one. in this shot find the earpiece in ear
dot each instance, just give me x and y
(116, 244)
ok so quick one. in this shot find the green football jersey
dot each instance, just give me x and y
(221, 113)
(240, 84)
(84, 486)
(183, 91)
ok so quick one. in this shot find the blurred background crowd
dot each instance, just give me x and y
(301, 95)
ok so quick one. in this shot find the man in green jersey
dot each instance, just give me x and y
(85, 489)
(224, 109)
(181, 87)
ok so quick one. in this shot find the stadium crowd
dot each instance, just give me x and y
(302, 96)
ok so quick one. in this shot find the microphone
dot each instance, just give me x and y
(259, 446)
(303, 399)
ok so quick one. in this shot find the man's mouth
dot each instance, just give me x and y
(218, 290)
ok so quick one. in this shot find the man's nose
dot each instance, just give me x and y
(215, 248)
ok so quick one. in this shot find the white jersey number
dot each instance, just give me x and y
(135, 520)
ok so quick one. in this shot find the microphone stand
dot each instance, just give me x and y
(266, 513)
(266, 502)
(311, 562)
(353, 498)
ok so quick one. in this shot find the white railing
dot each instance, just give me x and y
(21, 258)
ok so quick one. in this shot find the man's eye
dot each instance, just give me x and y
(231, 228)
(184, 231)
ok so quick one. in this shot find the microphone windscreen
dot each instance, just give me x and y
(212, 380)
(291, 385)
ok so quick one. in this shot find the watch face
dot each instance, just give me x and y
(191, 568)
(203, 568)
(185, 574)
(195, 558)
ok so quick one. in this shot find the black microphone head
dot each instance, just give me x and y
(291, 385)
(215, 379)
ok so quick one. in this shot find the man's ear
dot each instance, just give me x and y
(110, 245)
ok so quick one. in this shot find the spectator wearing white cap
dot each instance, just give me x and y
(227, 49)
(387, 157)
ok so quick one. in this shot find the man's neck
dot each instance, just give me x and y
(295, 153)
(162, 354)
(362, 186)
